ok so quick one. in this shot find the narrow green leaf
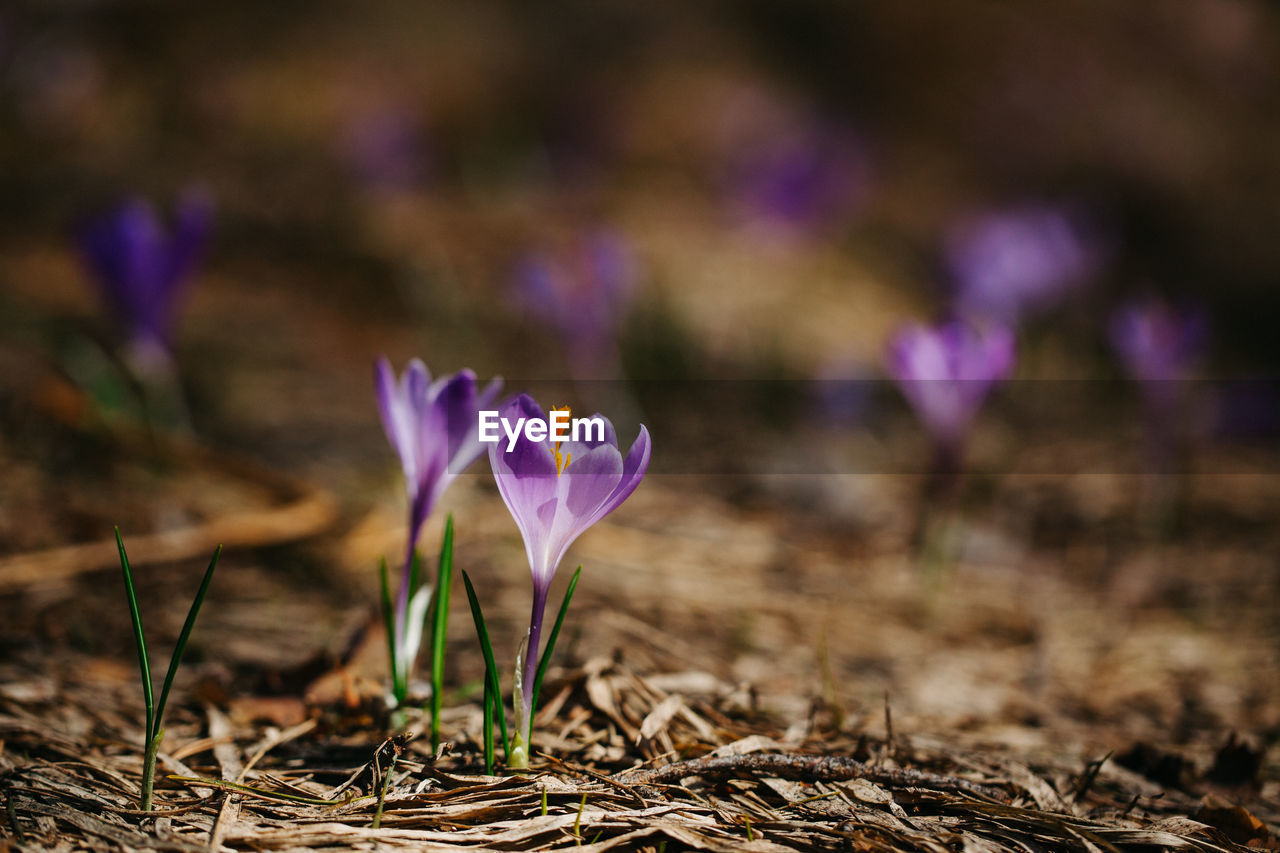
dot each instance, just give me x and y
(139, 641)
(415, 571)
(551, 640)
(180, 649)
(388, 620)
(439, 629)
(491, 667)
(489, 700)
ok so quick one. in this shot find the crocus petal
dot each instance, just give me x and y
(589, 479)
(397, 418)
(586, 436)
(526, 478)
(193, 221)
(416, 385)
(456, 398)
(634, 467)
(490, 393)
(431, 452)
(581, 498)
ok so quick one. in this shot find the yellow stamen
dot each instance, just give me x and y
(562, 459)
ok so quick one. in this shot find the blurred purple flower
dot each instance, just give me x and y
(800, 179)
(433, 427)
(555, 491)
(1157, 342)
(1159, 346)
(384, 147)
(1008, 264)
(140, 266)
(582, 293)
(838, 393)
(946, 372)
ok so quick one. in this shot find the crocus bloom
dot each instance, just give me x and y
(581, 292)
(946, 371)
(433, 427)
(1013, 262)
(140, 266)
(555, 491)
(1158, 344)
(787, 170)
(384, 147)
(801, 179)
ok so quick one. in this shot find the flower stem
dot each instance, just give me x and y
(149, 770)
(531, 658)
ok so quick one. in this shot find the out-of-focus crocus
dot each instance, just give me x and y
(384, 147)
(1159, 346)
(800, 179)
(787, 170)
(945, 372)
(582, 293)
(1008, 264)
(433, 427)
(555, 491)
(140, 267)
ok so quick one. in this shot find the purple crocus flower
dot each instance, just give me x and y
(1157, 342)
(945, 372)
(581, 293)
(802, 178)
(384, 147)
(140, 266)
(433, 427)
(1158, 345)
(1010, 263)
(555, 491)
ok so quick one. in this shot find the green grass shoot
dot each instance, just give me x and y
(491, 667)
(154, 710)
(439, 629)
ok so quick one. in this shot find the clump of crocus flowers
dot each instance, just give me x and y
(433, 427)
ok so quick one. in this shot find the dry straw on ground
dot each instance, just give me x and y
(670, 762)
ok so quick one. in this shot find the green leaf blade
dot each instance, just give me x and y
(439, 629)
(139, 640)
(491, 667)
(181, 648)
